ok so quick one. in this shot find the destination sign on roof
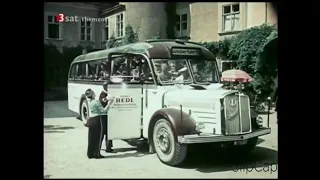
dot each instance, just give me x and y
(185, 52)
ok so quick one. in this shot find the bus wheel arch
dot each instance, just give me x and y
(169, 121)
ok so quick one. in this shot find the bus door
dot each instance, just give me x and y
(125, 114)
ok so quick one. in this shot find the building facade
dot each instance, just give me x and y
(199, 22)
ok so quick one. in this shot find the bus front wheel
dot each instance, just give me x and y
(168, 150)
(84, 112)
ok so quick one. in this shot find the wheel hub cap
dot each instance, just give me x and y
(163, 140)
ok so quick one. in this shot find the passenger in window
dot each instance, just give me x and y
(135, 73)
(123, 69)
(173, 69)
(183, 75)
(157, 68)
(165, 74)
(103, 72)
(146, 72)
(95, 133)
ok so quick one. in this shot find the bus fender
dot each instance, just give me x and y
(184, 125)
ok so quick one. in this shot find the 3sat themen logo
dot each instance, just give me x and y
(64, 18)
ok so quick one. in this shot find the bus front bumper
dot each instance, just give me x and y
(210, 138)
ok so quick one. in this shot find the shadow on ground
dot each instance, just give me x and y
(57, 109)
(208, 160)
(56, 128)
(125, 152)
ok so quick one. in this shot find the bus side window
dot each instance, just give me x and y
(102, 70)
(72, 72)
(82, 71)
(120, 69)
(92, 70)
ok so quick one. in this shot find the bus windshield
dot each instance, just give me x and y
(172, 71)
(204, 71)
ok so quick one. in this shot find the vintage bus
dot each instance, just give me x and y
(167, 92)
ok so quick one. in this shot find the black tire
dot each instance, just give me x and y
(172, 152)
(84, 112)
(244, 150)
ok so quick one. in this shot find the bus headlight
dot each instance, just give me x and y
(199, 126)
(259, 121)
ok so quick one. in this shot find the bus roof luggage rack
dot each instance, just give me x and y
(180, 41)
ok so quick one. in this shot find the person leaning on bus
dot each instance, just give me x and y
(95, 133)
(103, 100)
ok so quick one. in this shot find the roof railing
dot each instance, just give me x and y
(172, 40)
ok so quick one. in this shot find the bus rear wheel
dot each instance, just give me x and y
(168, 150)
(84, 112)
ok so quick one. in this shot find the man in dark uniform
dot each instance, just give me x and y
(103, 100)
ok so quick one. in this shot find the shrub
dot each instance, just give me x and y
(247, 50)
(112, 42)
(220, 48)
(266, 66)
(130, 36)
(157, 36)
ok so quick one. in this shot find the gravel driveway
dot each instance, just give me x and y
(65, 141)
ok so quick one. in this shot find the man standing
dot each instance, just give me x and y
(103, 100)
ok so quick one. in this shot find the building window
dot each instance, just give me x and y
(53, 27)
(106, 31)
(182, 25)
(119, 25)
(231, 17)
(86, 31)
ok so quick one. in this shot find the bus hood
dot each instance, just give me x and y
(196, 93)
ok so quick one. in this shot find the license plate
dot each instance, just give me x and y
(243, 142)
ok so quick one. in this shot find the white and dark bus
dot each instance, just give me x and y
(167, 92)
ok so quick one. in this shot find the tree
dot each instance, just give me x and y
(130, 35)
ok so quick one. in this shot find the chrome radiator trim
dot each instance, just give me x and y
(241, 122)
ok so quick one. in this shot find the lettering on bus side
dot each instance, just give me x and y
(124, 100)
(124, 103)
